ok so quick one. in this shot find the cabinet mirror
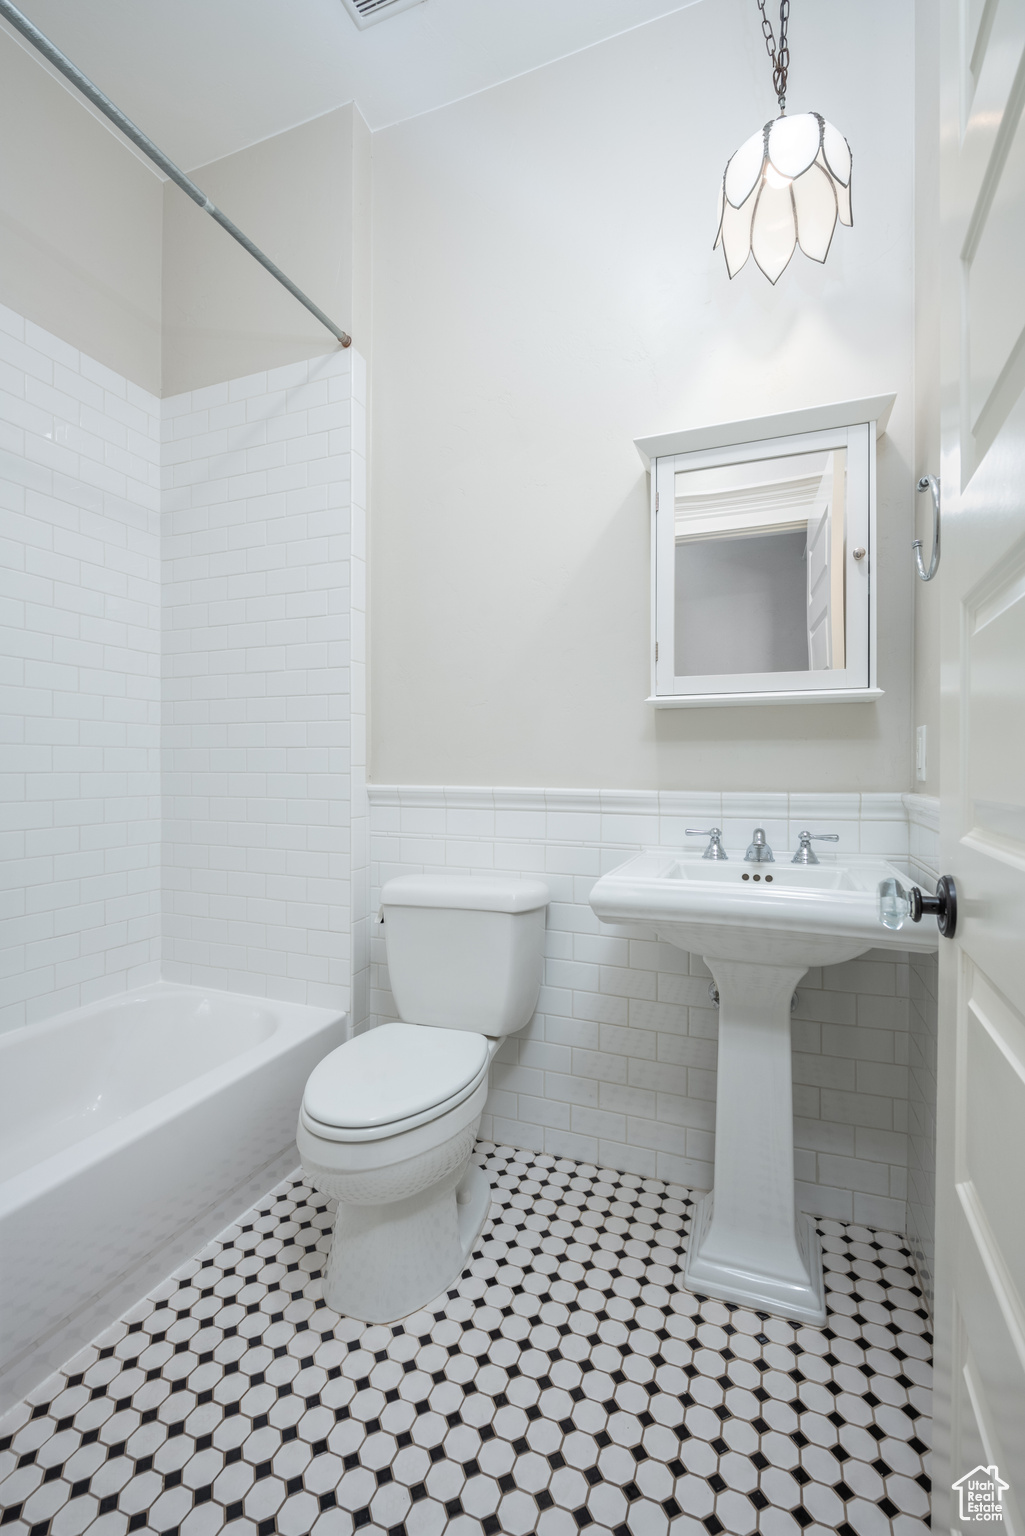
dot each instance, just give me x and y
(762, 580)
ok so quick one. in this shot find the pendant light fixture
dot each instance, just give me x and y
(787, 184)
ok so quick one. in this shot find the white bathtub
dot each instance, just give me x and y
(130, 1132)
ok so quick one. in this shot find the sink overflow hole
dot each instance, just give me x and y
(713, 994)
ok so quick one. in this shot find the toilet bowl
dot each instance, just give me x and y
(389, 1119)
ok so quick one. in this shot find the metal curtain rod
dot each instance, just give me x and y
(114, 114)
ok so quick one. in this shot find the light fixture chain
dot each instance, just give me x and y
(780, 56)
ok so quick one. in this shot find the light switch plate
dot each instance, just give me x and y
(921, 769)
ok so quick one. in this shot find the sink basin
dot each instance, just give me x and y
(758, 927)
(797, 914)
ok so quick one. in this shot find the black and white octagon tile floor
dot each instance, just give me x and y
(566, 1383)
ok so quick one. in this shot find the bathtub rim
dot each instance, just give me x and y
(295, 1022)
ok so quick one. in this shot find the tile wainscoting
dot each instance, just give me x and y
(617, 1067)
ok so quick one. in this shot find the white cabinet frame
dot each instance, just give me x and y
(852, 427)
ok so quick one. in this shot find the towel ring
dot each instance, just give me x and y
(930, 483)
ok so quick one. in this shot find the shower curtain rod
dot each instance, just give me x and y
(114, 114)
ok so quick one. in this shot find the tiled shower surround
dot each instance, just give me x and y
(262, 506)
(193, 568)
(79, 678)
(263, 588)
(618, 1066)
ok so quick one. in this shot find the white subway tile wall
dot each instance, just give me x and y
(618, 1066)
(259, 479)
(80, 691)
(923, 820)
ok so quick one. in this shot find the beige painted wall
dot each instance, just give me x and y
(545, 291)
(100, 251)
(926, 596)
(303, 198)
(360, 311)
(80, 221)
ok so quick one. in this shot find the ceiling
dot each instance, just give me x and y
(207, 77)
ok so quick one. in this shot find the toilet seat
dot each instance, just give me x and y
(392, 1079)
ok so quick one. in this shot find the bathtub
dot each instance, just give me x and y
(131, 1131)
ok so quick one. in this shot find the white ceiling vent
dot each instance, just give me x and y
(365, 12)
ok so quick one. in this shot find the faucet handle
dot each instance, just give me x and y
(805, 853)
(715, 849)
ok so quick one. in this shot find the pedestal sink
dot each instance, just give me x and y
(758, 928)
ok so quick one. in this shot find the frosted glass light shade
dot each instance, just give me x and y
(786, 186)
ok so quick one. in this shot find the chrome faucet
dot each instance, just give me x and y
(805, 852)
(715, 849)
(758, 850)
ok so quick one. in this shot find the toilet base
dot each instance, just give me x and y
(387, 1261)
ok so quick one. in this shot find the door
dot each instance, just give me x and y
(980, 1284)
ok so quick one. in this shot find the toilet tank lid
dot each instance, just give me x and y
(474, 893)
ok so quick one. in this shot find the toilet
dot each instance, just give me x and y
(389, 1119)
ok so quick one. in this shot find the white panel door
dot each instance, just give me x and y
(980, 1277)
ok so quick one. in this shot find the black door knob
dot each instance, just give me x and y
(942, 906)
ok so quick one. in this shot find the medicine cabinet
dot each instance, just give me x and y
(763, 550)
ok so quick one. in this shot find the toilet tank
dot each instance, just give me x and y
(465, 951)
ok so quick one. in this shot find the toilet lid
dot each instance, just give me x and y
(391, 1073)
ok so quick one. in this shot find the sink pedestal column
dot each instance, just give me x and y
(748, 1244)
